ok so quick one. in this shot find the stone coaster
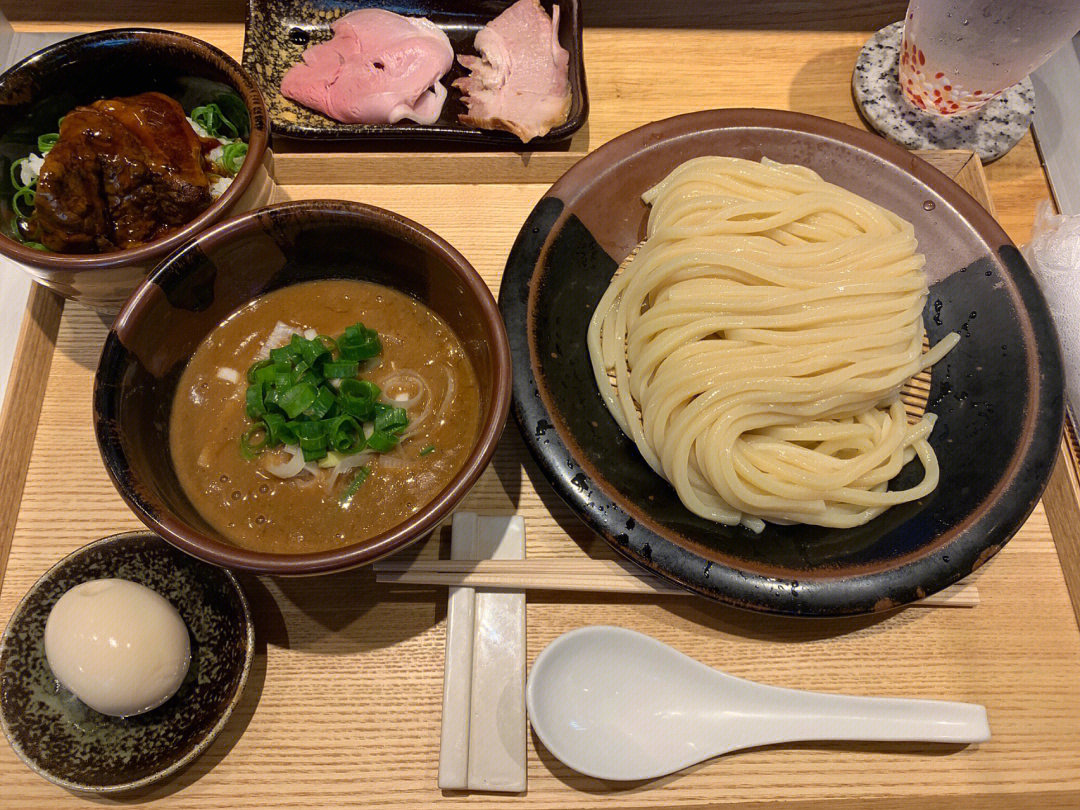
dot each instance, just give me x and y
(990, 132)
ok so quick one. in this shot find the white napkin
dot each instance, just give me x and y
(1054, 256)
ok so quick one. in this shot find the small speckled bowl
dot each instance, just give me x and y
(74, 746)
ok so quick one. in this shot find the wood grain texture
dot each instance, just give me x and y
(343, 705)
(19, 414)
(852, 15)
(1060, 499)
(803, 70)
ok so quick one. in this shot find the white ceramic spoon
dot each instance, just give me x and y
(616, 704)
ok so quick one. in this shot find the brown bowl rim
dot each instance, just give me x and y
(416, 527)
(258, 142)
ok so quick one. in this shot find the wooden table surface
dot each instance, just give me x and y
(344, 700)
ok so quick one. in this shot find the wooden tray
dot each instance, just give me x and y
(343, 705)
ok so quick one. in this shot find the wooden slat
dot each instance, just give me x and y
(591, 576)
(22, 402)
(1060, 499)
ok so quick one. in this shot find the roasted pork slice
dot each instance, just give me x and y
(379, 68)
(124, 172)
(519, 81)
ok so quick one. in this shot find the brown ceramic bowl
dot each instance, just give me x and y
(36, 92)
(224, 268)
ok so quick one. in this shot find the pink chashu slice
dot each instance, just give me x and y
(519, 82)
(379, 68)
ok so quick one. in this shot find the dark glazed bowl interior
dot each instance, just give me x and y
(196, 288)
(74, 746)
(37, 92)
(278, 32)
(997, 395)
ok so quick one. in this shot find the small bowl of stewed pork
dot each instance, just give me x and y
(303, 389)
(116, 147)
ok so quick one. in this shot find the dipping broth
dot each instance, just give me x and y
(422, 368)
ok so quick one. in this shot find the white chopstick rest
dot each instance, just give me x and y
(483, 723)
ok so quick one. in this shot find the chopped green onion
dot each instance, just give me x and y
(16, 175)
(24, 194)
(382, 442)
(213, 120)
(47, 142)
(251, 378)
(428, 450)
(344, 435)
(232, 156)
(290, 400)
(322, 404)
(339, 369)
(298, 399)
(359, 343)
(233, 108)
(254, 403)
(250, 448)
(361, 476)
(389, 418)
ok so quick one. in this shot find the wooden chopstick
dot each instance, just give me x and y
(610, 576)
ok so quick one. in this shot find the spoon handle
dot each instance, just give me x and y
(789, 715)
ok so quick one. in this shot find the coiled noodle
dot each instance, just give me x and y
(756, 345)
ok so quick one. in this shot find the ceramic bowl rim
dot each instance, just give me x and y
(258, 143)
(208, 737)
(421, 523)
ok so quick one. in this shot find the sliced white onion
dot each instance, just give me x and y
(451, 390)
(348, 463)
(312, 467)
(228, 374)
(219, 186)
(30, 168)
(280, 335)
(291, 468)
(402, 379)
(414, 424)
(391, 461)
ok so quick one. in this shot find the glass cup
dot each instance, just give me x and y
(959, 54)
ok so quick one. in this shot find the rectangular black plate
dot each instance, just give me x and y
(279, 31)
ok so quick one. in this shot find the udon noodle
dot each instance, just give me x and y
(756, 345)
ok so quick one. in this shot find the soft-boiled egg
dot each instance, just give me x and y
(119, 646)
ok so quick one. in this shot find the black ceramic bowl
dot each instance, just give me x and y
(195, 289)
(997, 395)
(74, 746)
(42, 88)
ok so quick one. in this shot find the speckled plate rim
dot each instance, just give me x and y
(209, 736)
(969, 544)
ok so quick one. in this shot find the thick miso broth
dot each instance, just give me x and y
(422, 367)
